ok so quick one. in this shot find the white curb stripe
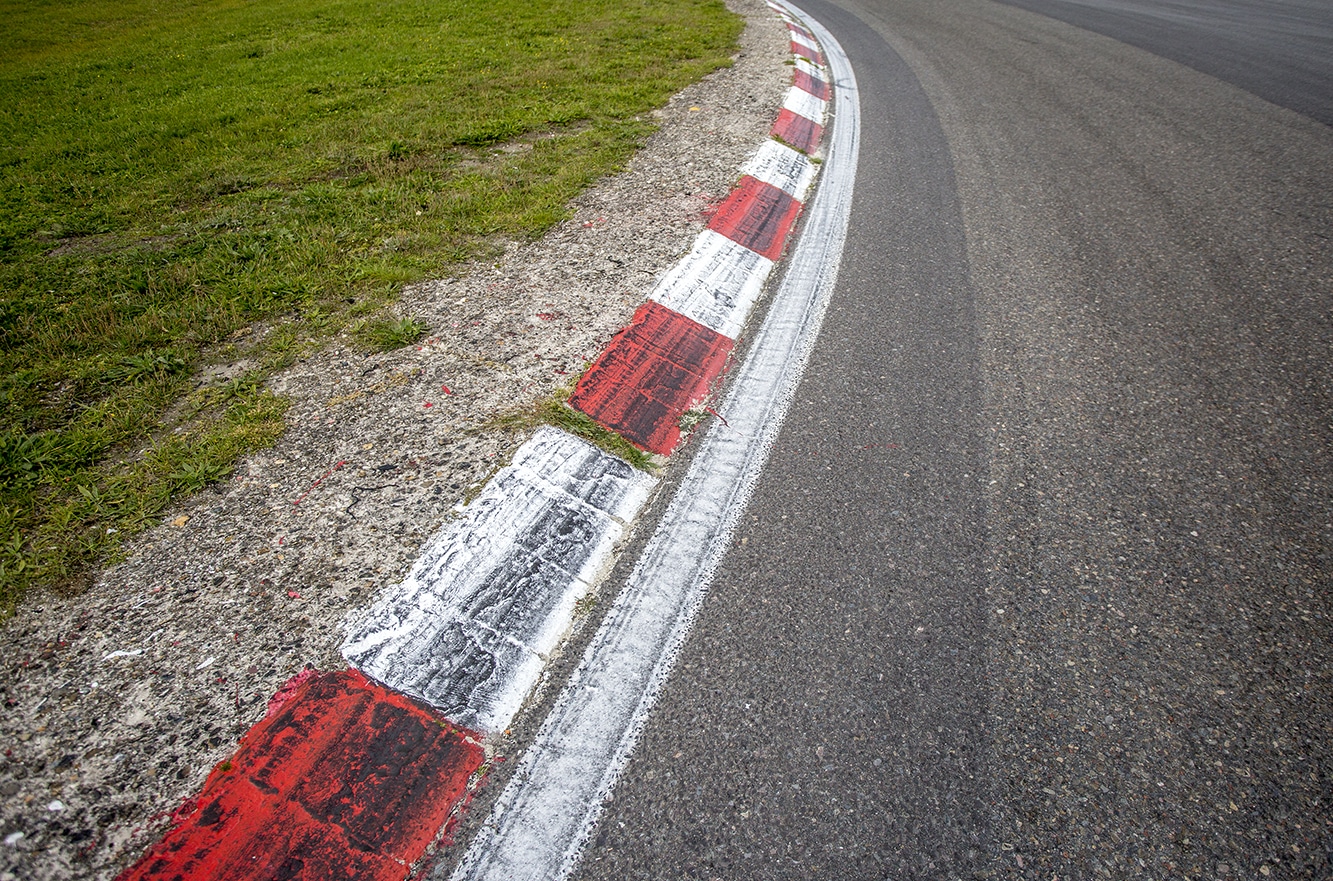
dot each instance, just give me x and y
(780, 166)
(802, 34)
(467, 631)
(546, 814)
(812, 69)
(802, 103)
(715, 284)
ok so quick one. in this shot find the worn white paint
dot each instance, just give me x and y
(780, 166)
(802, 103)
(814, 70)
(494, 591)
(545, 815)
(716, 284)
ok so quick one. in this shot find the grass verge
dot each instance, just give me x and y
(213, 180)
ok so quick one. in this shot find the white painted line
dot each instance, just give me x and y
(806, 66)
(802, 103)
(780, 166)
(716, 284)
(493, 593)
(546, 814)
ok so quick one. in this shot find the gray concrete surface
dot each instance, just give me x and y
(1036, 584)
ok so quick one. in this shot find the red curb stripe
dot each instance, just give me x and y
(344, 779)
(818, 88)
(797, 131)
(756, 215)
(805, 51)
(650, 374)
(800, 31)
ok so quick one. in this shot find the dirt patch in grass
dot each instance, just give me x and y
(118, 701)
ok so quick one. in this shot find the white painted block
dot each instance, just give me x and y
(802, 103)
(493, 593)
(716, 284)
(806, 66)
(780, 166)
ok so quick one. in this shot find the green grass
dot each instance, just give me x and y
(387, 334)
(188, 183)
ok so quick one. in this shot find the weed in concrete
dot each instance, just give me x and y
(387, 334)
(556, 411)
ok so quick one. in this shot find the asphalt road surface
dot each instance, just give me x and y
(1037, 581)
(1281, 50)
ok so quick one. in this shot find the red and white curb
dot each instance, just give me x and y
(356, 773)
(469, 630)
(643, 390)
(545, 816)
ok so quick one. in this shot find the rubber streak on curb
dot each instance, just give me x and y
(357, 773)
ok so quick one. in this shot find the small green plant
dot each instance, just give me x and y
(387, 334)
(690, 419)
(245, 385)
(24, 456)
(193, 476)
(147, 364)
(556, 411)
(585, 604)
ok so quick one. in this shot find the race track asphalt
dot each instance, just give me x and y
(1036, 581)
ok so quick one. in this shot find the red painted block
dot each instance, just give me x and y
(802, 80)
(650, 374)
(806, 51)
(802, 32)
(756, 215)
(796, 130)
(343, 779)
